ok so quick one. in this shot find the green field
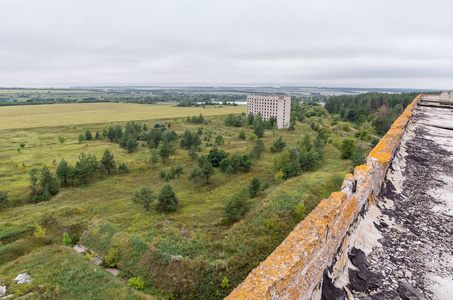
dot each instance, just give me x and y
(186, 253)
(15, 117)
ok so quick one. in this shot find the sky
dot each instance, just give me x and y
(331, 43)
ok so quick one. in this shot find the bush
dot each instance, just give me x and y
(242, 135)
(252, 137)
(219, 140)
(300, 211)
(346, 127)
(67, 241)
(236, 207)
(374, 142)
(136, 282)
(89, 256)
(144, 196)
(39, 231)
(358, 156)
(123, 169)
(347, 148)
(225, 283)
(113, 257)
(278, 145)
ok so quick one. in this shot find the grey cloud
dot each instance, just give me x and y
(348, 43)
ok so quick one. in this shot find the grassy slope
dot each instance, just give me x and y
(150, 246)
(61, 273)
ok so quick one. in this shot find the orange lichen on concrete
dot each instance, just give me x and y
(383, 152)
(295, 269)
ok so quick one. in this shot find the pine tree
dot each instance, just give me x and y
(108, 161)
(164, 151)
(193, 153)
(167, 199)
(254, 187)
(154, 158)
(88, 135)
(207, 170)
(131, 144)
(63, 171)
(258, 149)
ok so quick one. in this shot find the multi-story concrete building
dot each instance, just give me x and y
(270, 106)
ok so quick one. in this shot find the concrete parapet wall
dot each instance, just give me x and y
(295, 269)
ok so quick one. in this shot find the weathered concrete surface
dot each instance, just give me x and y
(413, 214)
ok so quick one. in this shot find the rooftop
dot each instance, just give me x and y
(412, 253)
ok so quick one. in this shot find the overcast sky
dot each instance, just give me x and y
(348, 43)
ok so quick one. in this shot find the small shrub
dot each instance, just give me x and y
(252, 137)
(89, 256)
(346, 127)
(236, 207)
(225, 283)
(136, 282)
(374, 142)
(39, 231)
(123, 169)
(61, 139)
(113, 257)
(219, 140)
(67, 241)
(300, 211)
(242, 135)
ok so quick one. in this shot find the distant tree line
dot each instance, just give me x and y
(379, 109)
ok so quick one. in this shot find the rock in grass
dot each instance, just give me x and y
(80, 248)
(97, 260)
(2, 291)
(113, 271)
(23, 278)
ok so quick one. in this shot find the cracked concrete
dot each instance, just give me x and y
(413, 214)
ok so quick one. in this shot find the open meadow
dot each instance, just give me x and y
(14, 117)
(191, 252)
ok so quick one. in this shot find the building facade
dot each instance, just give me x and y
(270, 106)
(447, 95)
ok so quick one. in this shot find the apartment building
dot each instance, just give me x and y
(270, 106)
